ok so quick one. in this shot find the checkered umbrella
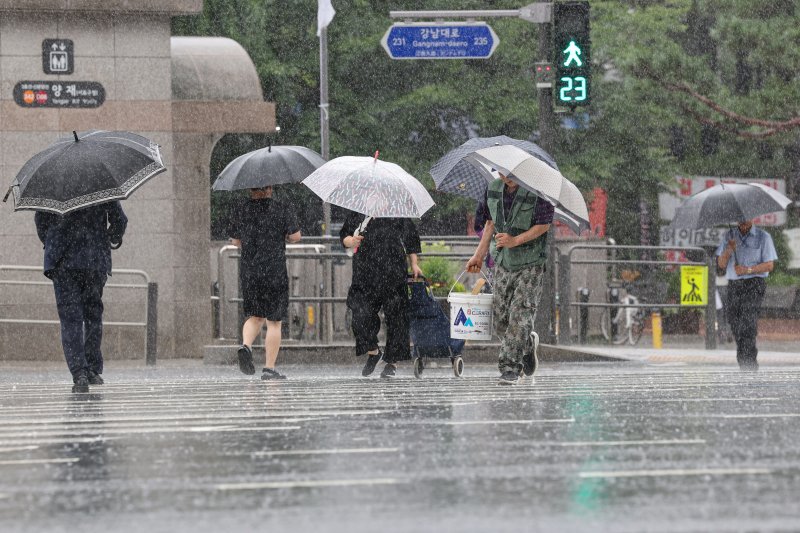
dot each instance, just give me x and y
(453, 173)
(534, 175)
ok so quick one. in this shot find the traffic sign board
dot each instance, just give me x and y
(442, 40)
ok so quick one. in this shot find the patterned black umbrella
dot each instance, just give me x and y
(85, 169)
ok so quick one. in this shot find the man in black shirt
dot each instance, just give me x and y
(383, 251)
(261, 227)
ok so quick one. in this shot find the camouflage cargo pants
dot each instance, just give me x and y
(516, 296)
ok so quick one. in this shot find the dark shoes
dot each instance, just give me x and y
(388, 371)
(372, 362)
(80, 383)
(246, 360)
(508, 378)
(270, 373)
(95, 379)
(530, 361)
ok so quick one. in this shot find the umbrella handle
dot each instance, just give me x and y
(8, 192)
(735, 255)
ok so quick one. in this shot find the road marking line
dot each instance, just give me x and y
(619, 442)
(331, 451)
(308, 484)
(677, 472)
(18, 449)
(709, 399)
(39, 461)
(775, 415)
(481, 422)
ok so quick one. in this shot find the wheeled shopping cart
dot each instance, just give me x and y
(430, 330)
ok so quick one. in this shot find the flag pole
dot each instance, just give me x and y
(323, 117)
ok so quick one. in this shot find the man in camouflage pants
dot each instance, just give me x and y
(516, 228)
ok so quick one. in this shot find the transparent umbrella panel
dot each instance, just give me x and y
(371, 187)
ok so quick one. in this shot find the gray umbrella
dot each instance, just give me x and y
(273, 165)
(453, 173)
(726, 203)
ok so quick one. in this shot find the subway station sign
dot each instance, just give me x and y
(59, 94)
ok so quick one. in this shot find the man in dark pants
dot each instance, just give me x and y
(753, 254)
(384, 250)
(77, 257)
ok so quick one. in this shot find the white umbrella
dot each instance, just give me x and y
(537, 176)
(369, 186)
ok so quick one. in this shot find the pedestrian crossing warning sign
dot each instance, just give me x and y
(694, 285)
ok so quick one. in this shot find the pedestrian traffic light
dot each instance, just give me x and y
(572, 53)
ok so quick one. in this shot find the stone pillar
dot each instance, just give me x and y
(125, 46)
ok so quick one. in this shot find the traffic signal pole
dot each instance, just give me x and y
(540, 13)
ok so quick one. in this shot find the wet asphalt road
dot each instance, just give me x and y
(583, 447)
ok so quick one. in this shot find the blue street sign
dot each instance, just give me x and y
(444, 40)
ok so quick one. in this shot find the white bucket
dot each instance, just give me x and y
(470, 316)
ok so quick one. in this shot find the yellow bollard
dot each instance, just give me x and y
(655, 319)
(310, 315)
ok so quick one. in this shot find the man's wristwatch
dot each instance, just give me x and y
(749, 270)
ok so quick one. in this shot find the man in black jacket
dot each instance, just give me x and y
(77, 257)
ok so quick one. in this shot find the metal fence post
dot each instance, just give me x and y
(583, 314)
(151, 346)
(711, 304)
(564, 300)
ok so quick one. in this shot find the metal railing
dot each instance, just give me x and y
(150, 323)
(566, 261)
(328, 298)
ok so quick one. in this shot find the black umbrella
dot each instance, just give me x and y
(87, 169)
(726, 203)
(268, 166)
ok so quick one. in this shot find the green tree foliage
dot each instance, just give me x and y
(704, 87)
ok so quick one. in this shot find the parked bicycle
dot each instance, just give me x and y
(623, 324)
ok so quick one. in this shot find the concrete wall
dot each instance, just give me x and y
(126, 46)
(130, 56)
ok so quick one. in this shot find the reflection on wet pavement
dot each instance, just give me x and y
(583, 447)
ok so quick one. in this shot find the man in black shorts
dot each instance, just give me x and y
(261, 227)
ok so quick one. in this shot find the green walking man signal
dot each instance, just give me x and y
(574, 55)
(572, 45)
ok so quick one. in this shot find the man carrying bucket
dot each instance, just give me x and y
(517, 222)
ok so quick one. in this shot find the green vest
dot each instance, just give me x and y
(519, 221)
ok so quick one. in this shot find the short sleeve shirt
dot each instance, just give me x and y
(262, 226)
(381, 258)
(752, 249)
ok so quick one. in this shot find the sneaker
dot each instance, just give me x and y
(509, 378)
(530, 361)
(271, 373)
(246, 360)
(95, 379)
(80, 383)
(388, 371)
(372, 362)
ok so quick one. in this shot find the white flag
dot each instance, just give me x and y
(325, 13)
